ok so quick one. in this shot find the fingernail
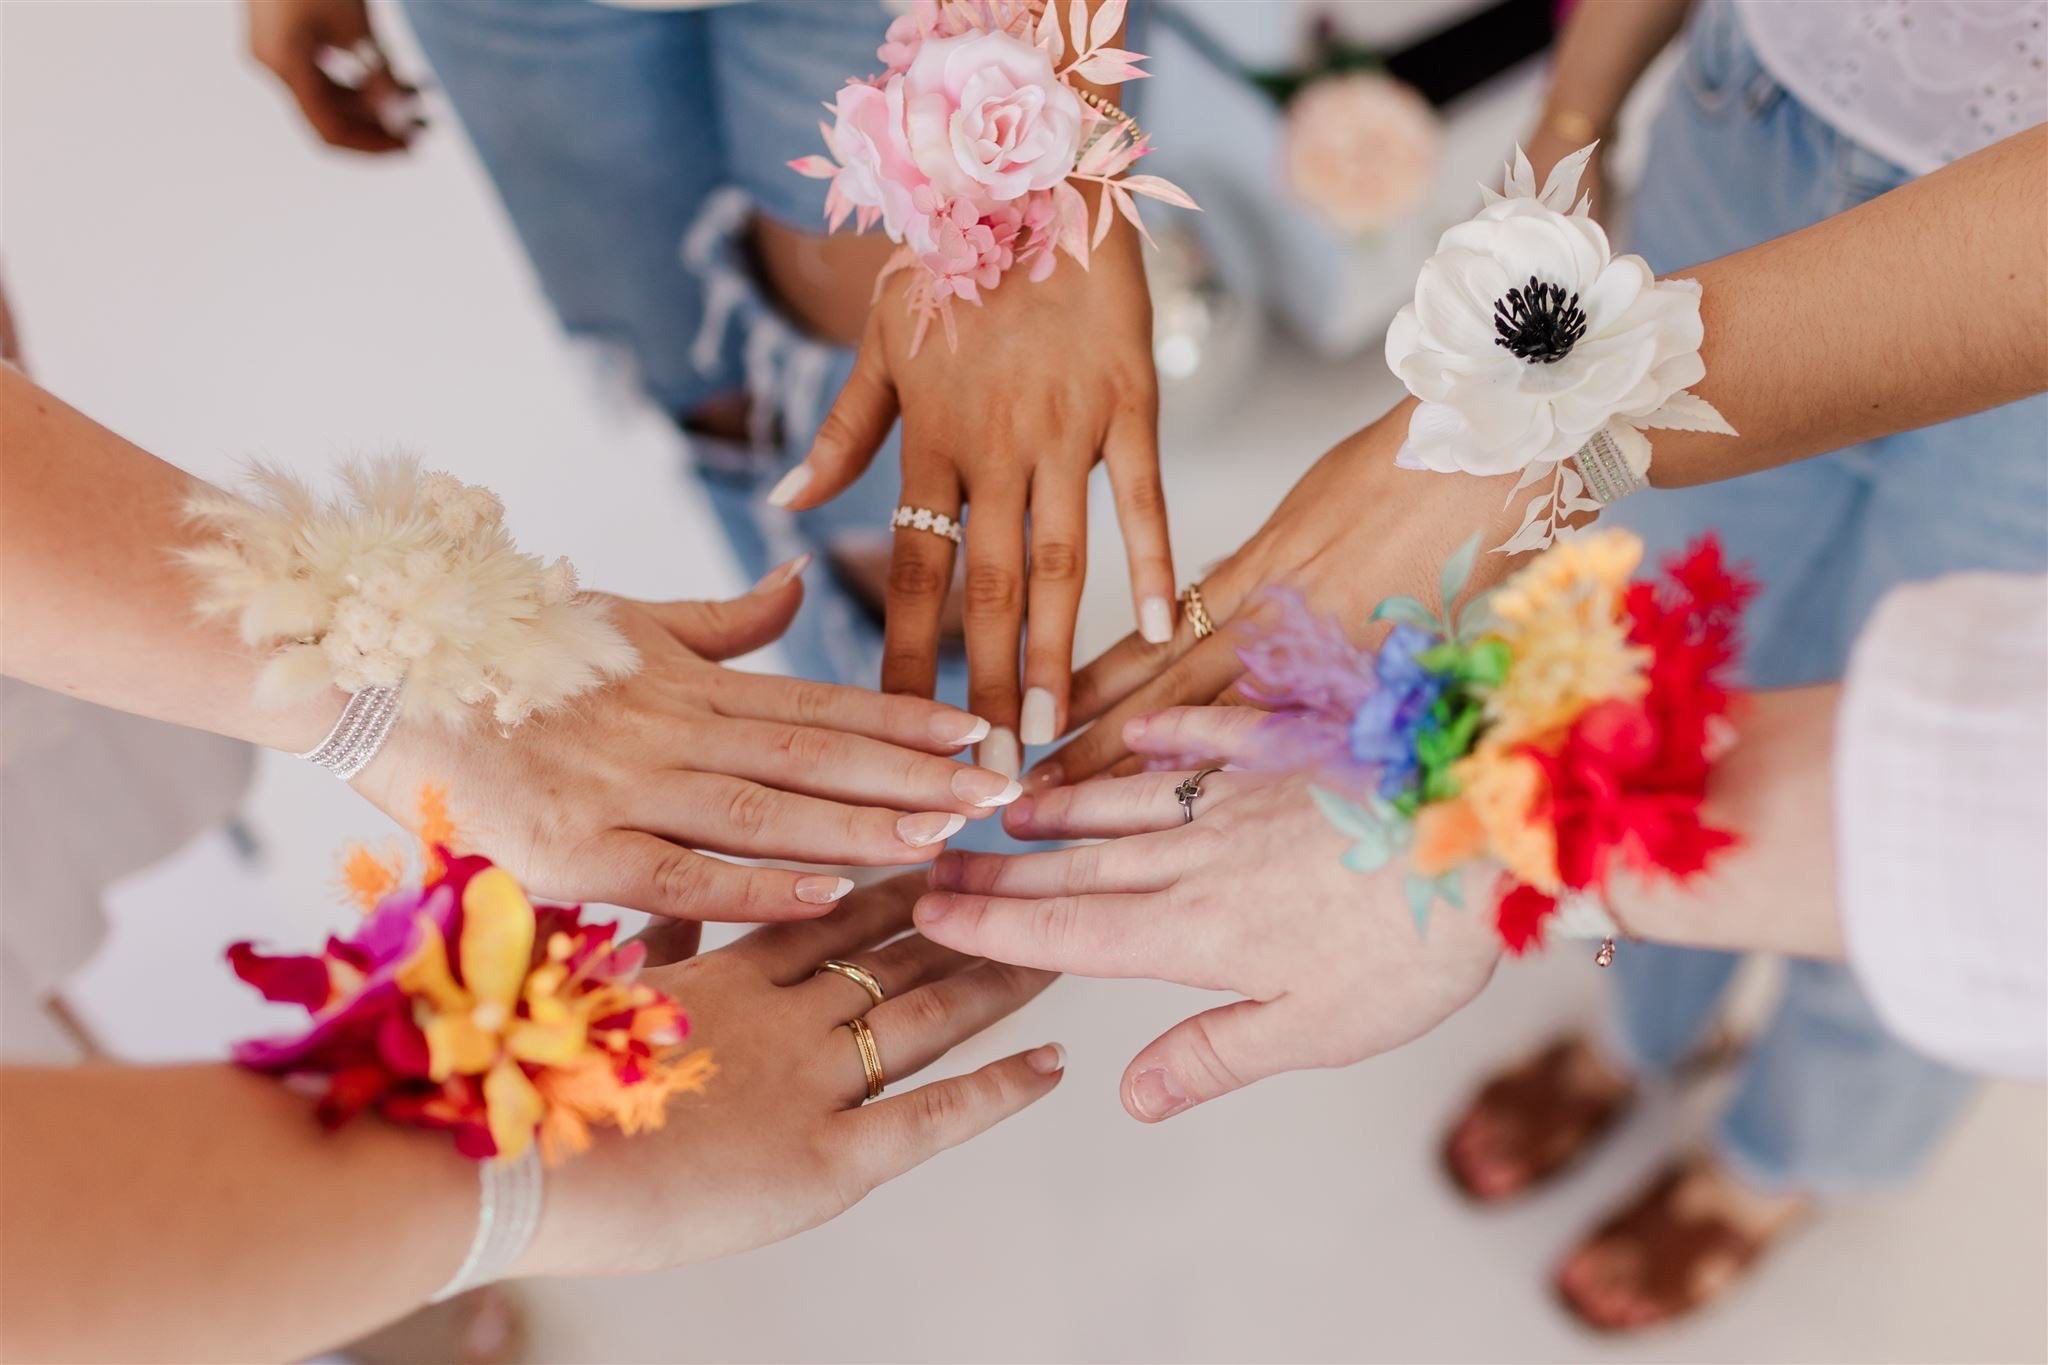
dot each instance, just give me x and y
(1044, 778)
(1135, 727)
(822, 890)
(999, 753)
(1035, 725)
(1156, 1095)
(782, 573)
(1017, 818)
(982, 788)
(1046, 1060)
(930, 827)
(794, 482)
(945, 873)
(929, 909)
(1155, 620)
(958, 729)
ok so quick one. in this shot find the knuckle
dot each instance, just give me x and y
(1056, 561)
(914, 576)
(801, 746)
(991, 589)
(902, 661)
(679, 878)
(927, 1011)
(1144, 496)
(751, 811)
(943, 1107)
(1202, 1047)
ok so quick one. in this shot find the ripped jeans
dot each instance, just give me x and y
(630, 148)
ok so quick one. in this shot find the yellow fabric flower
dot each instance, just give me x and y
(1505, 791)
(1562, 621)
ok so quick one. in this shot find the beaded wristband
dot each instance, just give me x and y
(507, 1217)
(358, 734)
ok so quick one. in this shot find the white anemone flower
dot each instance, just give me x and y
(1528, 336)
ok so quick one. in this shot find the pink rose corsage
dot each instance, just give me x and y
(458, 1004)
(971, 145)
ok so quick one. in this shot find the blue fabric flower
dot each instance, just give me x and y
(1384, 729)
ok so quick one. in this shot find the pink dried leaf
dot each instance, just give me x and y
(1153, 187)
(1102, 220)
(1128, 207)
(1108, 19)
(816, 167)
(1111, 66)
(1049, 36)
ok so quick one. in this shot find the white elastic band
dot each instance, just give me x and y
(506, 1219)
(1582, 916)
(358, 734)
(1608, 474)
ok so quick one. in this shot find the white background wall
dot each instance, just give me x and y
(192, 270)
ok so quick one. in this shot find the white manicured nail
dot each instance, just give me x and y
(793, 483)
(999, 752)
(931, 827)
(1046, 1060)
(1035, 726)
(1155, 620)
(946, 730)
(779, 576)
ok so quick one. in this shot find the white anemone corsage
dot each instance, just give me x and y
(1530, 342)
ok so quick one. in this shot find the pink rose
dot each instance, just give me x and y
(1361, 149)
(987, 118)
(876, 171)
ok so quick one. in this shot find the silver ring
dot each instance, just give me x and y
(1187, 791)
(908, 518)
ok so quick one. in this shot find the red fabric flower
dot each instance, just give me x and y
(1518, 915)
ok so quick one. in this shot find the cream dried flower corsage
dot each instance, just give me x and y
(408, 581)
(1530, 343)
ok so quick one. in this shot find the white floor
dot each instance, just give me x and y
(188, 268)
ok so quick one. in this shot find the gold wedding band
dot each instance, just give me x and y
(858, 975)
(1195, 613)
(870, 1054)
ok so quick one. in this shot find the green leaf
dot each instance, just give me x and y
(1364, 857)
(1457, 569)
(1451, 889)
(1486, 663)
(1477, 618)
(1421, 891)
(1347, 815)
(1407, 611)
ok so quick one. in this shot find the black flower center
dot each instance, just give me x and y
(1538, 323)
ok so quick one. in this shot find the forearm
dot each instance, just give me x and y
(1922, 305)
(1604, 50)
(1775, 891)
(93, 601)
(199, 1212)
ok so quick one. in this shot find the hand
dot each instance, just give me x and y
(1354, 530)
(290, 36)
(779, 1141)
(1250, 897)
(607, 800)
(1048, 378)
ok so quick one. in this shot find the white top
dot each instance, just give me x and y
(1941, 809)
(1919, 82)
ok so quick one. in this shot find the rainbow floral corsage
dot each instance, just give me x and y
(459, 1004)
(1561, 726)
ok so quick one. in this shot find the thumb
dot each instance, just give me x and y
(1212, 1054)
(854, 429)
(724, 630)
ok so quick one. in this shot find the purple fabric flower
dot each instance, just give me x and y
(1384, 729)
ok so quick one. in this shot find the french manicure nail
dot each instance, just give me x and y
(794, 482)
(1155, 1094)
(1046, 1060)
(1155, 620)
(958, 729)
(822, 890)
(981, 788)
(999, 752)
(1035, 724)
(780, 575)
(930, 827)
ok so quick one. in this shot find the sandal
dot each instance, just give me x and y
(1533, 1120)
(1682, 1243)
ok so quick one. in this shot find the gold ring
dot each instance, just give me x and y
(870, 1054)
(1196, 614)
(858, 975)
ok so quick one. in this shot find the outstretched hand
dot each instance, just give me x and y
(1049, 378)
(612, 799)
(1251, 897)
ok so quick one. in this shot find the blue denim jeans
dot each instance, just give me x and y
(1826, 1099)
(630, 148)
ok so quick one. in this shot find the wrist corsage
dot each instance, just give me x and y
(1561, 726)
(408, 585)
(972, 144)
(1534, 349)
(460, 1005)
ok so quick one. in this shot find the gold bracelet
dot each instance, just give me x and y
(1113, 112)
(1569, 125)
